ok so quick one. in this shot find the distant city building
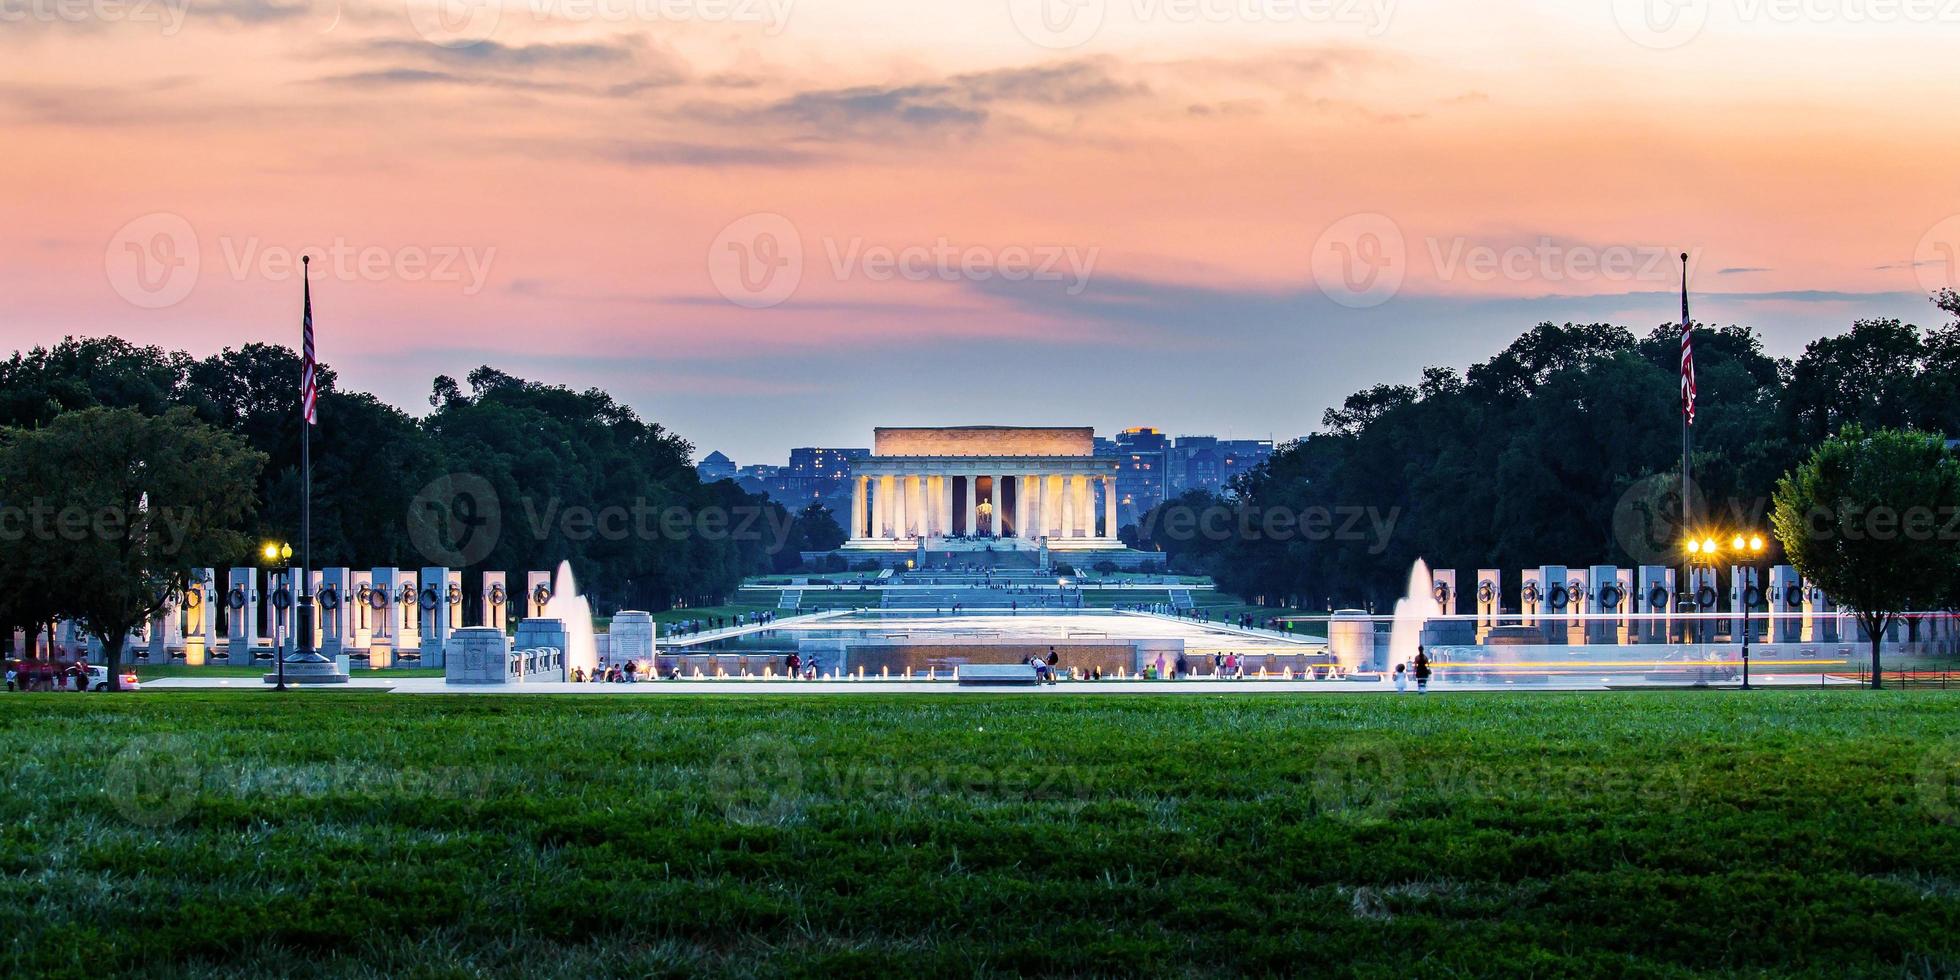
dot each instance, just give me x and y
(715, 467)
(815, 474)
(1209, 463)
(1142, 476)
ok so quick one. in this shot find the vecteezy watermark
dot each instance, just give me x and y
(1360, 260)
(1367, 780)
(157, 782)
(153, 261)
(157, 260)
(1058, 24)
(757, 261)
(1550, 261)
(1663, 24)
(1660, 24)
(454, 23)
(1938, 782)
(1647, 518)
(771, 15)
(1883, 523)
(160, 528)
(1936, 259)
(457, 520)
(167, 15)
(762, 781)
(1248, 522)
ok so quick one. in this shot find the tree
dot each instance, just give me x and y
(815, 529)
(1864, 518)
(122, 506)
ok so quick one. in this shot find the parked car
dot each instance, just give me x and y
(98, 679)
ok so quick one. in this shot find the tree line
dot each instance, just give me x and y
(502, 473)
(1564, 447)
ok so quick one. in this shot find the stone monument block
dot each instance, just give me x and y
(477, 655)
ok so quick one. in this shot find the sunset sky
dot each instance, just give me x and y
(1212, 217)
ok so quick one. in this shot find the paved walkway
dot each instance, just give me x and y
(436, 685)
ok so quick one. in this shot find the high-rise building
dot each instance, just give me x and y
(1142, 480)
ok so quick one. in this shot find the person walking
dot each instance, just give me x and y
(1401, 678)
(1422, 671)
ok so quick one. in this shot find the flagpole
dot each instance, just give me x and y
(304, 618)
(1687, 446)
(1687, 431)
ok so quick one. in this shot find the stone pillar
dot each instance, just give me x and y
(434, 613)
(496, 600)
(1109, 507)
(408, 618)
(972, 504)
(333, 598)
(241, 615)
(993, 502)
(537, 591)
(383, 623)
(200, 617)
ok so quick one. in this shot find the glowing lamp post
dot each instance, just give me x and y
(278, 556)
(1748, 593)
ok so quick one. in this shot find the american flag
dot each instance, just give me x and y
(309, 387)
(1687, 349)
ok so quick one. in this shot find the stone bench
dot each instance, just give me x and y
(997, 674)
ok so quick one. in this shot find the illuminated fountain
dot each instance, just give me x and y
(581, 649)
(1412, 611)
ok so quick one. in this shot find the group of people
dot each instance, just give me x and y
(1420, 670)
(686, 627)
(626, 673)
(47, 676)
(1045, 671)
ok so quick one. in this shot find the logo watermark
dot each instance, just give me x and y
(1062, 24)
(157, 260)
(758, 261)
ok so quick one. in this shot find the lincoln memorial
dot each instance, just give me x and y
(1003, 485)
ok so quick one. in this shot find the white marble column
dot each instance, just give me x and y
(972, 504)
(993, 501)
(1020, 506)
(1031, 485)
(943, 503)
(1109, 507)
(1084, 512)
(1068, 509)
(857, 507)
(885, 510)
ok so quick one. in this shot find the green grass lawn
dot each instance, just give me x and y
(1647, 834)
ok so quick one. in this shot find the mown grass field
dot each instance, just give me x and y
(1646, 834)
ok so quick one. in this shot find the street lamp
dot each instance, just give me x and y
(1748, 593)
(1700, 552)
(278, 556)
